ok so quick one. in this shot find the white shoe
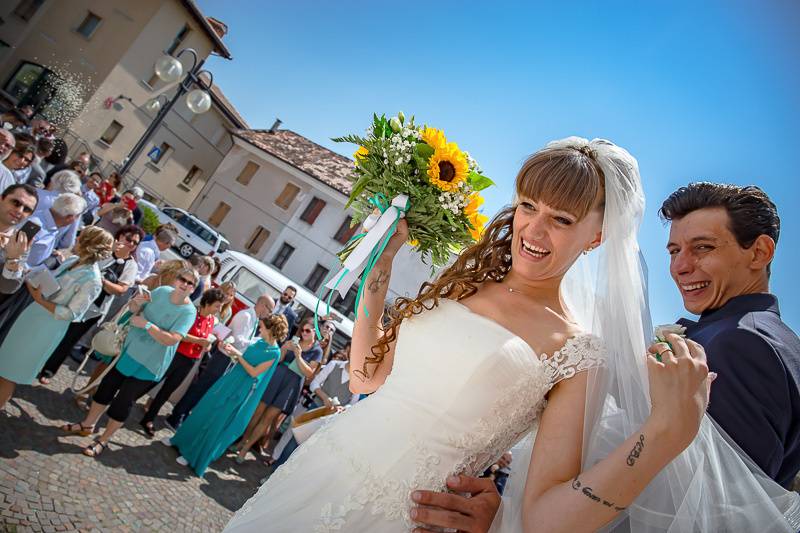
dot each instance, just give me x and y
(181, 460)
(166, 441)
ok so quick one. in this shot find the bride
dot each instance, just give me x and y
(503, 349)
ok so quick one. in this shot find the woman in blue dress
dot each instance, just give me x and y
(223, 413)
(40, 327)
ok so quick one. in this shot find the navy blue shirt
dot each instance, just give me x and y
(756, 396)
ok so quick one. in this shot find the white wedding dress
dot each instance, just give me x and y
(462, 391)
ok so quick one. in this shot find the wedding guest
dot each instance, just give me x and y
(79, 164)
(55, 222)
(196, 342)
(204, 265)
(113, 216)
(118, 274)
(17, 203)
(87, 191)
(244, 330)
(328, 329)
(7, 143)
(223, 413)
(161, 320)
(229, 291)
(284, 306)
(150, 250)
(57, 157)
(300, 360)
(19, 161)
(721, 245)
(41, 326)
(165, 273)
(44, 147)
(331, 389)
(107, 190)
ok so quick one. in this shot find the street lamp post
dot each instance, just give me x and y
(169, 69)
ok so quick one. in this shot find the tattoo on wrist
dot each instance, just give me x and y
(636, 451)
(380, 279)
(589, 493)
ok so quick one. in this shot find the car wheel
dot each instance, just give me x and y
(186, 250)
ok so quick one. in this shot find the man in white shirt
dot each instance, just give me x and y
(150, 250)
(244, 332)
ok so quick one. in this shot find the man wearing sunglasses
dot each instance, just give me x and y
(16, 205)
(7, 143)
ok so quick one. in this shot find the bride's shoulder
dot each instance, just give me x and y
(581, 351)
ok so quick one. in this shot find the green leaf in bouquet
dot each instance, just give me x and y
(358, 188)
(424, 150)
(478, 182)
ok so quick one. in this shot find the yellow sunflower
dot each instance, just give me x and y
(478, 222)
(475, 201)
(360, 154)
(434, 138)
(448, 167)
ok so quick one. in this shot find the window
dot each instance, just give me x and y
(345, 232)
(179, 38)
(26, 9)
(89, 25)
(287, 196)
(192, 176)
(312, 211)
(316, 277)
(219, 214)
(193, 225)
(256, 240)
(247, 173)
(161, 155)
(111, 132)
(251, 286)
(283, 255)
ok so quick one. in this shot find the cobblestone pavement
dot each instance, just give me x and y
(47, 484)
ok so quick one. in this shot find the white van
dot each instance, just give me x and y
(253, 278)
(194, 235)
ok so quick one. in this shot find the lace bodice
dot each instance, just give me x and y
(462, 391)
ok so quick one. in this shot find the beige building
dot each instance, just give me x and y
(102, 54)
(280, 197)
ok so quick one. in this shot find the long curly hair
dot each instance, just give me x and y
(566, 178)
(95, 244)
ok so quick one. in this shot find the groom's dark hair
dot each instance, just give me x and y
(749, 209)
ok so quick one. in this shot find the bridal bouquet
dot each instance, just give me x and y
(403, 170)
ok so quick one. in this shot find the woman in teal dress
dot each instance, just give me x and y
(40, 327)
(223, 413)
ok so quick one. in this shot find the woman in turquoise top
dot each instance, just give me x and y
(41, 326)
(159, 322)
(223, 413)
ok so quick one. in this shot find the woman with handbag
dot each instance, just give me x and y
(160, 320)
(223, 412)
(43, 323)
(119, 273)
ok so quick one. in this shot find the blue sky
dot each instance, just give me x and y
(693, 91)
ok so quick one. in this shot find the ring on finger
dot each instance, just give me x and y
(660, 354)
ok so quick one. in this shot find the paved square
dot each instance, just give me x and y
(47, 484)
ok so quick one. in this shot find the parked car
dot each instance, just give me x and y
(253, 278)
(194, 235)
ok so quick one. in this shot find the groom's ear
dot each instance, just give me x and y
(763, 251)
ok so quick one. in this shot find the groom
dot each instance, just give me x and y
(721, 243)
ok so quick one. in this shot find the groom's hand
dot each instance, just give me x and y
(472, 514)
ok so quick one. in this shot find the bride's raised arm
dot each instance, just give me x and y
(561, 497)
(366, 376)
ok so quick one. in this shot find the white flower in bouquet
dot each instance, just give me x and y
(662, 331)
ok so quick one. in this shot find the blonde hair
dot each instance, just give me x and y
(95, 244)
(226, 307)
(167, 273)
(565, 178)
(277, 325)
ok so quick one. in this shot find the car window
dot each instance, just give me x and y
(251, 286)
(223, 246)
(178, 216)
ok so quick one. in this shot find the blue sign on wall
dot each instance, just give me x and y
(154, 154)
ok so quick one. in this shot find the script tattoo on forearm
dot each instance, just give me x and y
(380, 279)
(636, 451)
(589, 493)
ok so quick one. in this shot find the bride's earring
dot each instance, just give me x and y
(586, 252)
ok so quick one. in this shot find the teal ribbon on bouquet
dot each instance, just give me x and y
(379, 229)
